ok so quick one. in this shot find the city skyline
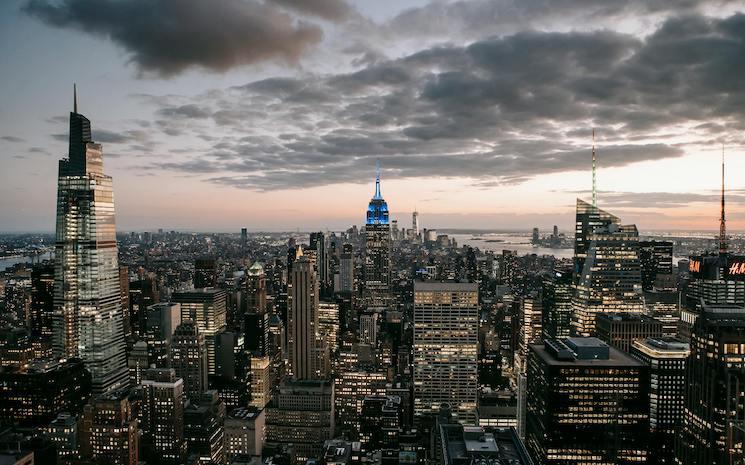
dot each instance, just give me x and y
(348, 84)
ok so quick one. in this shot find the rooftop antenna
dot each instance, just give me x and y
(377, 179)
(594, 172)
(74, 97)
(722, 220)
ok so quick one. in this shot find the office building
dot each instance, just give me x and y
(42, 308)
(87, 321)
(108, 432)
(161, 322)
(34, 394)
(369, 329)
(715, 376)
(205, 272)
(302, 414)
(380, 422)
(656, 259)
(256, 318)
(162, 417)
(244, 433)
(610, 281)
(188, 358)
(557, 292)
(464, 445)
(377, 270)
(587, 402)
(207, 308)
(445, 348)
(350, 390)
(346, 269)
(666, 359)
(588, 218)
(620, 330)
(318, 244)
(328, 325)
(204, 428)
(302, 324)
(261, 381)
(138, 360)
(63, 432)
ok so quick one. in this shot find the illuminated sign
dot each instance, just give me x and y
(737, 269)
(694, 266)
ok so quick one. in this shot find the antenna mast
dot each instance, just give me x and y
(74, 98)
(722, 220)
(594, 172)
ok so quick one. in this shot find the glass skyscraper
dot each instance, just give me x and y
(377, 252)
(87, 320)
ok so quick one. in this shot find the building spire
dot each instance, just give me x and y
(74, 98)
(594, 172)
(377, 180)
(722, 220)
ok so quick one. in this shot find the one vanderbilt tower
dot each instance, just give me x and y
(87, 321)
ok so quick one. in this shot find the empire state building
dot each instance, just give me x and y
(87, 319)
(376, 294)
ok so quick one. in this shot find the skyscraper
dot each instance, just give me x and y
(318, 244)
(188, 357)
(256, 319)
(666, 359)
(415, 225)
(610, 280)
(87, 321)
(109, 430)
(377, 252)
(588, 218)
(715, 376)
(445, 348)
(205, 272)
(557, 292)
(302, 325)
(207, 309)
(346, 269)
(587, 403)
(162, 413)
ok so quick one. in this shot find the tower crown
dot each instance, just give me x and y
(377, 209)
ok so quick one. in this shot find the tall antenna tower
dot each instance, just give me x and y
(594, 172)
(722, 220)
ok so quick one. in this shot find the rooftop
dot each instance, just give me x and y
(474, 445)
(587, 351)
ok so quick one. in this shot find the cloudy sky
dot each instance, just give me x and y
(271, 114)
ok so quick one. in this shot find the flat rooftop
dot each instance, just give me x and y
(442, 286)
(615, 358)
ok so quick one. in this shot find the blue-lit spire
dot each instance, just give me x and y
(377, 210)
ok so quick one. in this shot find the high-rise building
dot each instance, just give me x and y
(380, 422)
(346, 269)
(244, 433)
(587, 403)
(415, 225)
(589, 218)
(445, 348)
(261, 381)
(207, 308)
(369, 329)
(474, 444)
(64, 432)
(328, 325)
(715, 376)
(205, 272)
(301, 413)
(377, 253)
(557, 292)
(34, 394)
(244, 237)
(160, 324)
(124, 297)
(162, 414)
(138, 360)
(302, 324)
(256, 318)
(42, 308)
(188, 357)
(666, 359)
(87, 321)
(318, 244)
(109, 430)
(350, 390)
(610, 280)
(656, 259)
(204, 429)
(620, 330)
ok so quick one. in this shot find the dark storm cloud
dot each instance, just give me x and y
(184, 111)
(166, 37)
(479, 18)
(12, 139)
(498, 111)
